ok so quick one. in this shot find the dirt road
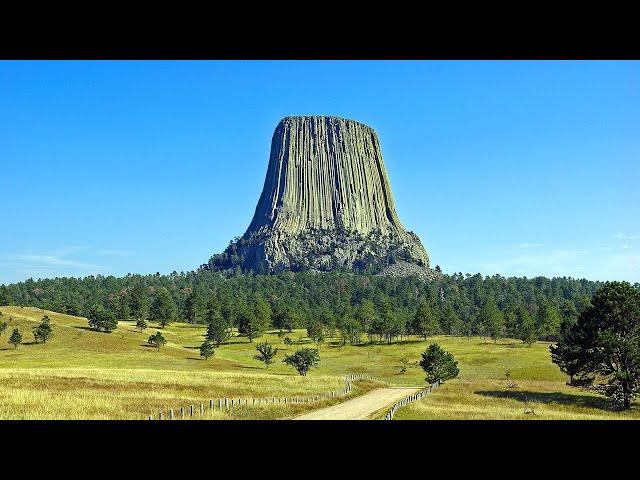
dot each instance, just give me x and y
(360, 407)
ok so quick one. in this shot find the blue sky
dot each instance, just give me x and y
(518, 168)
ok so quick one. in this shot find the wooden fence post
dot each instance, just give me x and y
(211, 404)
(159, 415)
(191, 410)
(171, 414)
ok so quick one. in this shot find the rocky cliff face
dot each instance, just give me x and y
(326, 203)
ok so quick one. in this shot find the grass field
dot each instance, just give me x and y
(81, 374)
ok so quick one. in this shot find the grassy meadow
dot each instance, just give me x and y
(83, 374)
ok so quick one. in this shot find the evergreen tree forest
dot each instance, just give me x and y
(356, 306)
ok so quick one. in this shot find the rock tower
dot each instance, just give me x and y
(326, 203)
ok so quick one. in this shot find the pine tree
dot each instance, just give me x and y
(16, 338)
(527, 331)
(207, 350)
(218, 329)
(262, 312)
(266, 353)
(602, 350)
(425, 322)
(5, 296)
(548, 320)
(163, 309)
(123, 307)
(138, 301)
(43, 331)
(366, 315)
(248, 324)
(141, 325)
(191, 306)
(438, 364)
(157, 340)
(493, 319)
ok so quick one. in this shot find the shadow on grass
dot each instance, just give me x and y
(559, 398)
(89, 329)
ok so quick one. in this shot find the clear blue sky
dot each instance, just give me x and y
(517, 168)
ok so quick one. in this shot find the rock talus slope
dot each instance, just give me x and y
(326, 203)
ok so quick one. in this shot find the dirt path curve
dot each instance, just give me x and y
(360, 407)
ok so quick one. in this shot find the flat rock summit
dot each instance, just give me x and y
(326, 204)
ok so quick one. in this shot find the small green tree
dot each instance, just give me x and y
(404, 364)
(16, 338)
(266, 353)
(44, 331)
(250, 325)
(3, 327)
(207, 350)
(217, 327)
(101, 319)
(302, 360)
(438, 364)
(287, 341)
(157, 340)
(141, 325)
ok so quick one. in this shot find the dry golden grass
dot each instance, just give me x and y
(489, 399)
(82, 374)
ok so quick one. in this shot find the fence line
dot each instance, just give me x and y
(228, 403)
(410, 399)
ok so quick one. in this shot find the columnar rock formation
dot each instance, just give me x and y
(326, 203)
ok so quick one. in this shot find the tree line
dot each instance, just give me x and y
(354, 306)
